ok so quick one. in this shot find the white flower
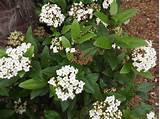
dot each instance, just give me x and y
(15, 62)
(107, 3)
(70, 50)
(107, 109)
(81, 12)
(127, 22)
(114, 46)
(51, 15)
(20, 107)
(151, 115)
(56, 45)
(66, 85)
(144, 58)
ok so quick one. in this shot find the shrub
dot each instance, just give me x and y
(84, 67)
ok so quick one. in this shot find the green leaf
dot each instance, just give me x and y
(130, 42)
(113, 8)
(65, 42)
(70, 56)
(47, 41)
(142, 109)
(6, 113)
(75, 30)
(102, 17)
(30, 52)
(36, 70)
(33, 84)
(6, 83)
(49, 71)
(65, 105)
(145, 87)
(112, 59)
(2, 53)
(103, 42)
(86, 29)
(61, 3)
(31, 39)
(127, 114)
(124, 16)
(50, 114)
(147, 74)
(91, 85)
(21, 74)
(65, 29)
(86, 37)
(39, 92)
(126, 69)
(45, 57)
(4, 92)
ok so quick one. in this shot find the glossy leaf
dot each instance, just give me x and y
(50, 114)
(65, 42)
(130, 42)
(113, 8)
(123, 16)
(102, 17)
(75, 30)
(33, 84)
(103, 42)
(86, 37)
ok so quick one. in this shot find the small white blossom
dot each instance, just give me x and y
(151, 115)
(66, 85)
(51, 15)
(70, 50)
(56, 45)
(107, 3)
(144, 58)
(114, 46)
(107, 109)
(15, 61)
(127, 22)
(81, 12)
(20, 107)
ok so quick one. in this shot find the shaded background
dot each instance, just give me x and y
(15, 15)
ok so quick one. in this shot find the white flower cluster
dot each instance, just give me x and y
(107, 3)
(107, 109)
(56, 46)
(144, 58)
(20, 107)
(81, 12)
(66, 85)
(151, 115)
(16, 38)
(51, 15)
(15, 62)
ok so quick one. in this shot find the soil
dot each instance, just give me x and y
(146, 25)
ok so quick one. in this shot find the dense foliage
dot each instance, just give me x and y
(83, 67)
